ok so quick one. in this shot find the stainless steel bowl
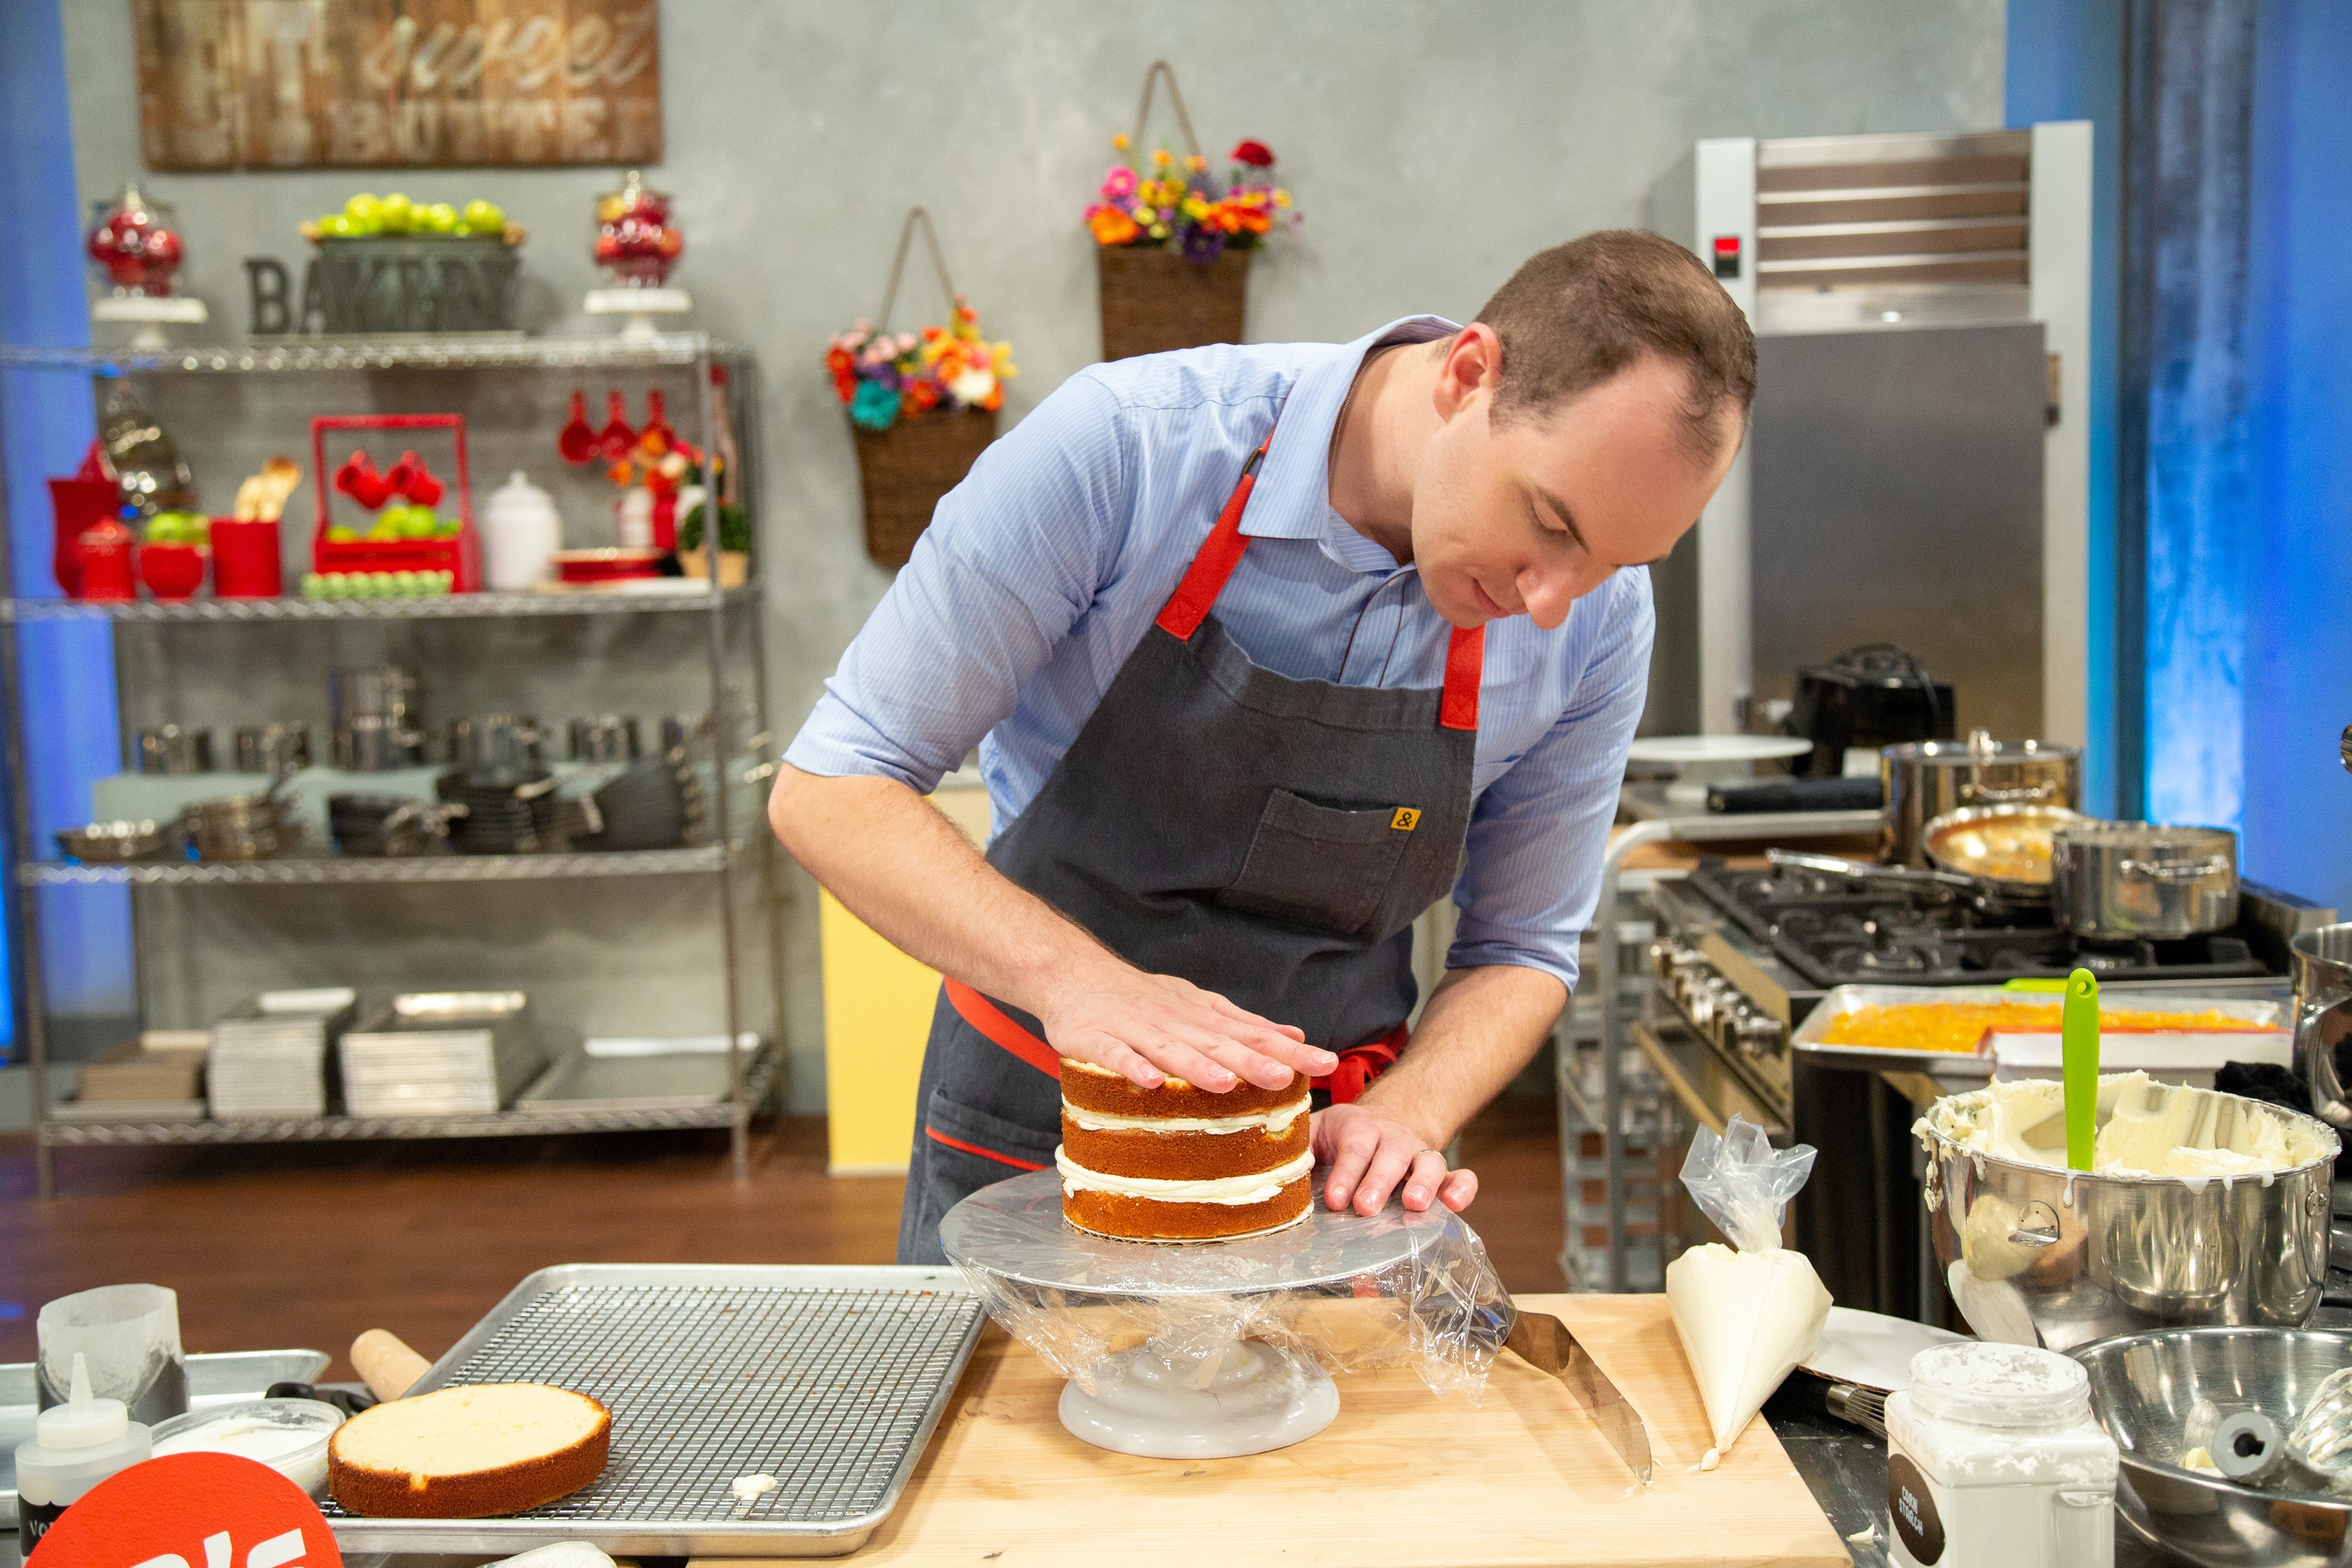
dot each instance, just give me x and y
(2035, 1254)
(116, 843)
(2142, 1387)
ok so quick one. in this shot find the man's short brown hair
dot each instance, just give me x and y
(1575, 315)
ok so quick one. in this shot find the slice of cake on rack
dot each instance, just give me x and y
(1178, 1162)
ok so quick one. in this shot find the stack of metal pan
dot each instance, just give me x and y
(441, 1053)
(508, 810)
(270, 1059)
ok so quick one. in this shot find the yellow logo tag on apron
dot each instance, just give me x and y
(1405, 820)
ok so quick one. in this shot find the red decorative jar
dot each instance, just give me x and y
(106, 550)
(79, 505)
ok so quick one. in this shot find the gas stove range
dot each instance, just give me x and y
(1834, 930)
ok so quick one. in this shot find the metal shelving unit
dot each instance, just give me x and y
(737, 859)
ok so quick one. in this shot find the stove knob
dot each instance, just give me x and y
(1761, 1035)
(1663, 954)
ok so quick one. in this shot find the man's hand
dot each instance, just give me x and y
(1369, 1152)
(1143, 1026)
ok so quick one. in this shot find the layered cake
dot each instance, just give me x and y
(1178, 1162)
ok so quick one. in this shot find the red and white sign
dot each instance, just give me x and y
(191, 1511)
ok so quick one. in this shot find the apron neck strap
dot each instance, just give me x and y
(1189, 605)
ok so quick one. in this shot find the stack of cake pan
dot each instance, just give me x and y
(270, 1059)
(441, 1053)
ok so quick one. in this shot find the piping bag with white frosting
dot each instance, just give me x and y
(1746, 1318)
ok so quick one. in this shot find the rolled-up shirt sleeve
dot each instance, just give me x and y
(1012, 557)
(1533, 872)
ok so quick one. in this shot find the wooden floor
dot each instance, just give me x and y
(309, 1245)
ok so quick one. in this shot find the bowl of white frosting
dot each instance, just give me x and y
(290, 1436)
(2200, 1208)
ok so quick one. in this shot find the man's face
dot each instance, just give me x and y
(1530, 515)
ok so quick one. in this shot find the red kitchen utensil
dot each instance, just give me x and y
(576, 442)
(411, 478)
(77, 503)
(657, 420)
(359, 479)
(245, 560)
(612, 442)
(171, 571)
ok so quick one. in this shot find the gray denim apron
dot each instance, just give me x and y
(1267, 838)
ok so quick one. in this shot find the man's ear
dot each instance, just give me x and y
(1473, 366)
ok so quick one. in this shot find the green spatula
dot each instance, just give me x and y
(2079, 1035)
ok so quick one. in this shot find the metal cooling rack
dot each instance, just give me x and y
(830, 1380)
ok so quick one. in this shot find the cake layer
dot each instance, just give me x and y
(1091, 1088)
(472, 1452)
(1253, 1188)
(1182, 1156)
(1144, 1219)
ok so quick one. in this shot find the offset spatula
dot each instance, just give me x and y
(1544, 1342)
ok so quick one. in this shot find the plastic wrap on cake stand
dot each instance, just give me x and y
(1210, 1350)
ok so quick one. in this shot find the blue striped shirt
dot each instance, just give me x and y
(1040, 572)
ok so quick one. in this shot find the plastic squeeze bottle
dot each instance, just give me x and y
(75, 1445)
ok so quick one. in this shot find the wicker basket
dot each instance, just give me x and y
(1153, 300)
(906, 468)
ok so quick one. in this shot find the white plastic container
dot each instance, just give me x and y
(1993, 1457)
(290, 1436)
(75, 1445)
(521, 531)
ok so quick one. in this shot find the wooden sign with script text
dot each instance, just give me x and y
(292, 84)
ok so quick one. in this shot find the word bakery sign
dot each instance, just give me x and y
(226, 84)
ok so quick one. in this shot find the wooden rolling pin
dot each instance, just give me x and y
(386, 1365)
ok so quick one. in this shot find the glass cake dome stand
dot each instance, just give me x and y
(1205, 1383)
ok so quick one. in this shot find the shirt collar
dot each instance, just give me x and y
(1292, 499)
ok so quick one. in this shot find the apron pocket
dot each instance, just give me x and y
(987, 1147)
(1320, 865)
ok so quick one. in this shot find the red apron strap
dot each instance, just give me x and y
(936, 1136)
(1360, 1065)
(1465, 662)
(1188, 606)
(985, 1016)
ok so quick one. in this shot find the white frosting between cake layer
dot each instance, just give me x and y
(1233, 1191)
(1275, 1121)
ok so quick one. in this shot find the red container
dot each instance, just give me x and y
(104, 551)
(610, 564)
(245, 560)
(171, 571)
(461, 556)
(80, 504)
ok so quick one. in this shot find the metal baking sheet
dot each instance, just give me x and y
(1967, 1070)
(211, 1380)
(831, 1380)
(678, 1082)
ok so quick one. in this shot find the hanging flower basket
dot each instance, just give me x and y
(1172, 245)
(922, 405)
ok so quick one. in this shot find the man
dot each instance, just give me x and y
(1254, 643)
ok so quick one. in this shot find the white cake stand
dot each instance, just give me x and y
(1154, 1399)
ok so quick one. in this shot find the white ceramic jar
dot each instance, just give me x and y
(521, 531)
(1994, 1460)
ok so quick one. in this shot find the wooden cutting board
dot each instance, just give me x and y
(1401, 1477)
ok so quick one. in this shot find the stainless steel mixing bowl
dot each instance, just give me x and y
(2036, 1255)
(2142, 1387)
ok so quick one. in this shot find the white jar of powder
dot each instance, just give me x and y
(1994, 1460)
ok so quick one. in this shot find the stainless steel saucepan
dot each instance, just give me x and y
(2138, 880)
(1927, 779)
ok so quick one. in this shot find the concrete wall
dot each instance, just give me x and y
(1432, 146)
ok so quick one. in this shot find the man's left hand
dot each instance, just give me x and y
(1371, 1153)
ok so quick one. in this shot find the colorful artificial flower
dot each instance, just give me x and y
(1183, 209)
(884, 377)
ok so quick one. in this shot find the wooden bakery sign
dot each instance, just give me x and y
(291, 84)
